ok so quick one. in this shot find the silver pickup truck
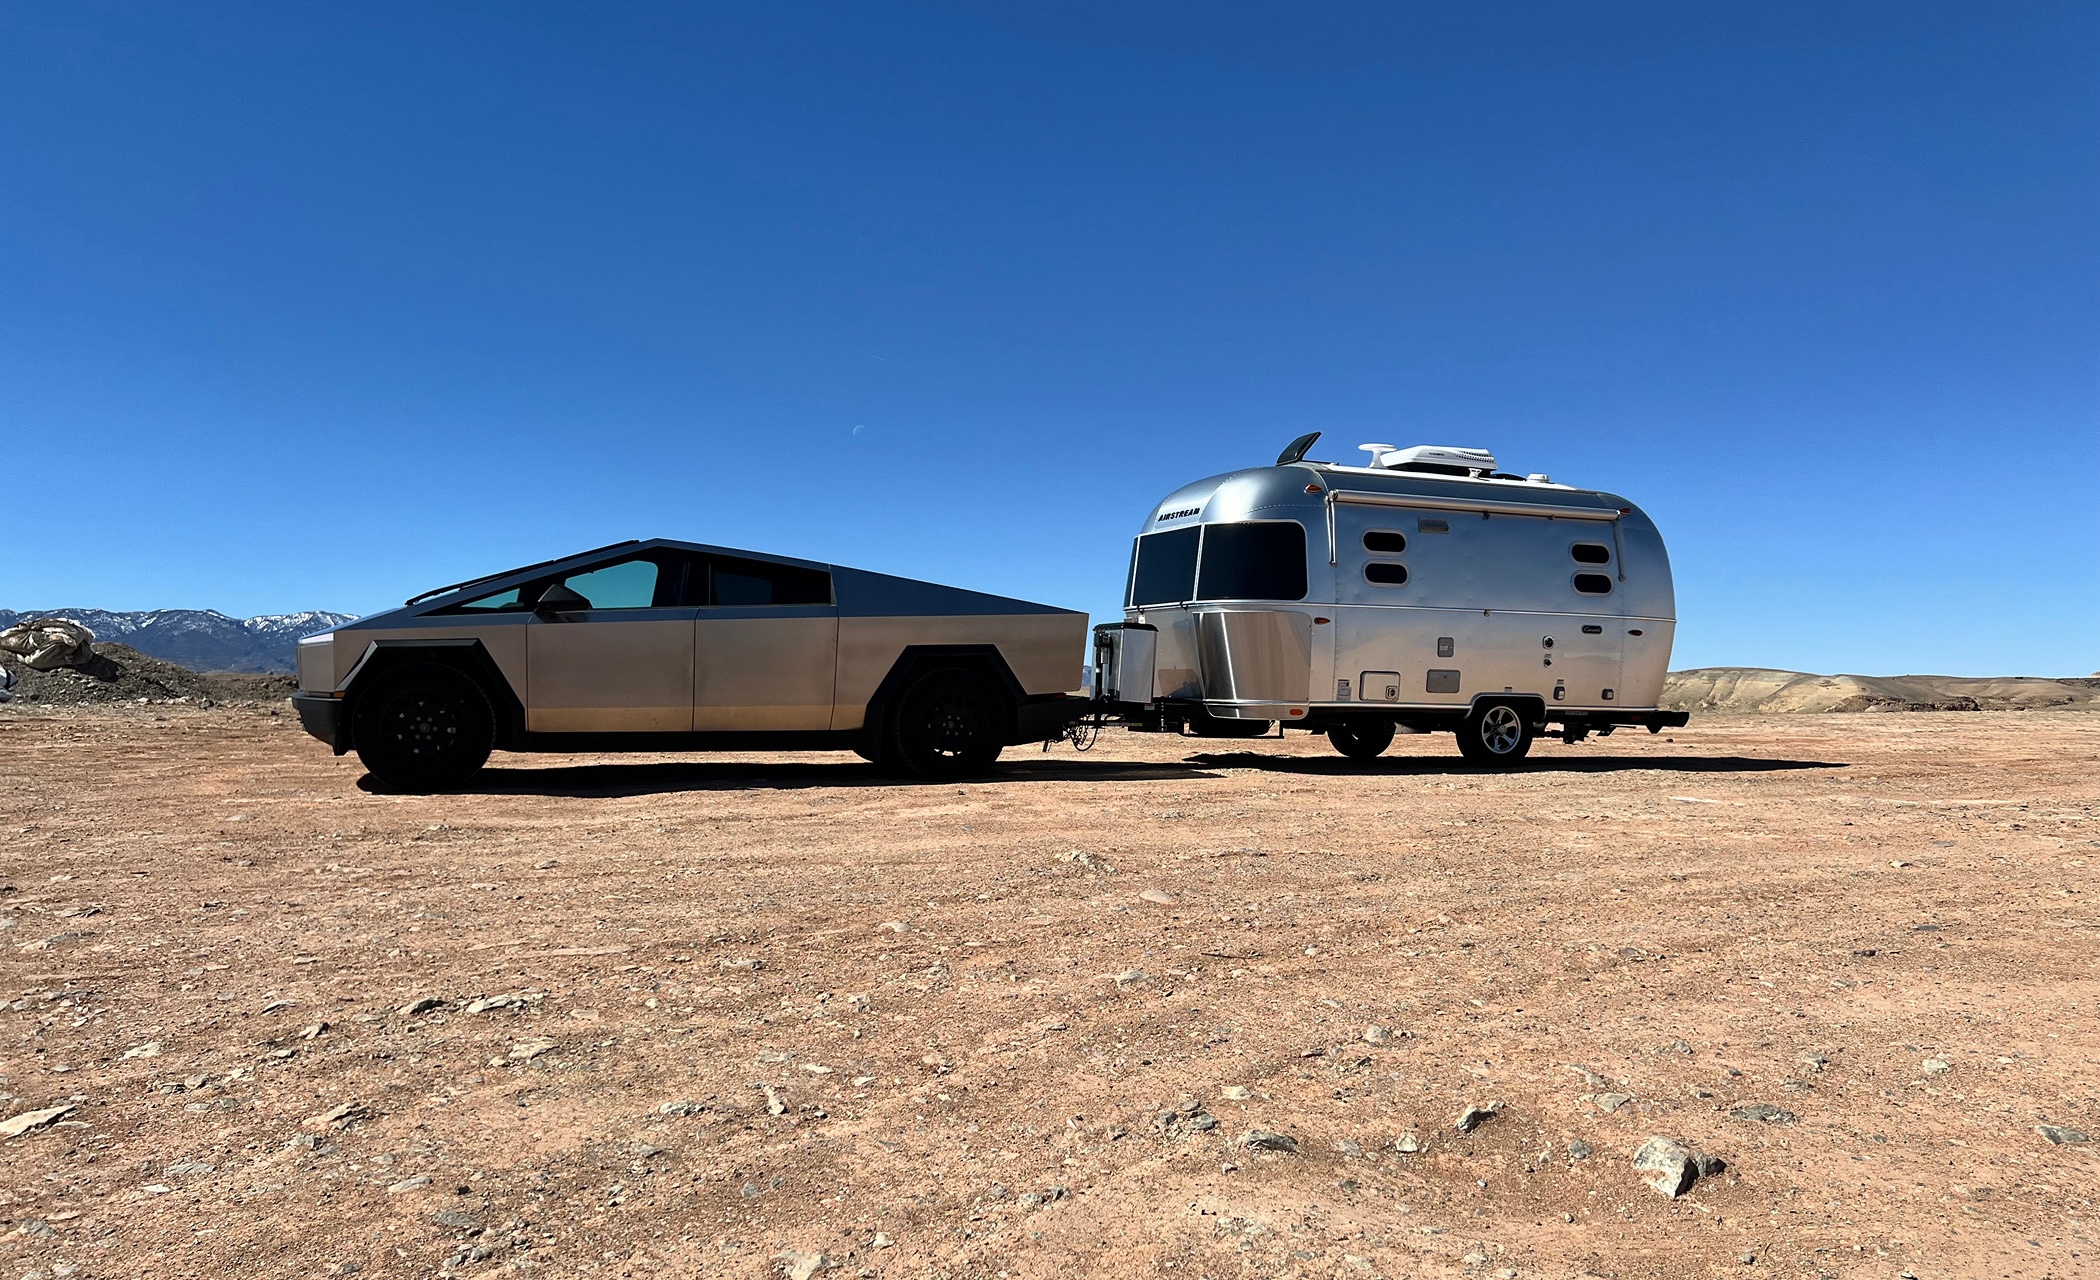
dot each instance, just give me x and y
(677, 646)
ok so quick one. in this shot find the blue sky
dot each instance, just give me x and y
(316, 306)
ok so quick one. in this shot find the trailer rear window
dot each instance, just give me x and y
(1258, 560)
(1163, 567)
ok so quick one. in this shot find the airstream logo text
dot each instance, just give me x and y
(1176, 515)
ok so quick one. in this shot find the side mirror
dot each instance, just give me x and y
(559, 599)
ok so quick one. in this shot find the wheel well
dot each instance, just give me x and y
(1530, 706)
(468, 657)
(918, 660)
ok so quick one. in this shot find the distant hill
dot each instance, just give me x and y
(1759, 689)
(200, 639)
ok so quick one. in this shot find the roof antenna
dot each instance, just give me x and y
(1295, 450)
(1376, 451)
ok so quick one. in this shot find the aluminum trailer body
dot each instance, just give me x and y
(1416, 593)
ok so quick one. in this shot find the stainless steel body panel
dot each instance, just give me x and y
(503, 637)
(1490, 567)
(764, 672)
(610, 671)
(1039, 648)
(1254, 655)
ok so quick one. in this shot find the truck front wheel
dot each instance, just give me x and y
(947, 727)
(423, 728)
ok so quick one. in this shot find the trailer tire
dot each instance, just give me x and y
(947, 726)
(1361, 741)
(423, 727)
(1496, 734)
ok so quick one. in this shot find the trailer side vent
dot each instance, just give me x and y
(1592, 553)
(1385, 542)
(1593, 584)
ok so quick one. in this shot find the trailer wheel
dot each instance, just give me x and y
(423, 728)
(1496, 733)
(947, 726)
(1361, 741)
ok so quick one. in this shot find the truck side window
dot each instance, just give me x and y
(631, 584)
(1254, 560)
(1592, 553)
(1385, 542)
(755, 582)
(1593, 584)
(1163, 567)
(1386, 573)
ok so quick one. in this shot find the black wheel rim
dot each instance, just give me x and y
(953, 724)
(424, 725)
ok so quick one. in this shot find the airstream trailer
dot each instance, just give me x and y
(1420, 591)
(677, 646)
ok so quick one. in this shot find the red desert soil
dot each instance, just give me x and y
(719, 1016)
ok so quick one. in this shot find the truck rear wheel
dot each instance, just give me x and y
(947, 726)
(1496, 733)
(423, 728)
(1361, 741)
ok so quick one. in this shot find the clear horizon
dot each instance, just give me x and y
(313, 309)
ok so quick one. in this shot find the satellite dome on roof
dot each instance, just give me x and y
(1440, 459)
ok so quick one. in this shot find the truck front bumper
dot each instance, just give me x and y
(322, 716)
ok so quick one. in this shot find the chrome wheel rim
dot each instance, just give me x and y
(1501, 729)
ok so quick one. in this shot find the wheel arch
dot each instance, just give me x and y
(467, 656)
(1529, 705)
(916, 661)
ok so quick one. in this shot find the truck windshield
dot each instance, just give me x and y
(1163, 567)
(1256, 560)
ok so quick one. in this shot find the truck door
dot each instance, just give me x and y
(621, 661)
(766, 643)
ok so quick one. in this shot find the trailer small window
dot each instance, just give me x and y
(1163, 567)
(1593, 584)
(1385, 542)
(1592, 553)
(1258, 560)
(1386, 573)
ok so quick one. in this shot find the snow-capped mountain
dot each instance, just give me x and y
(200, 639)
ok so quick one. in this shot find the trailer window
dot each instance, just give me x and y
(1592, 553)
(1593, 584)
(1258, 560)
(1386, 573)
(1385, 542)
(1163, 567)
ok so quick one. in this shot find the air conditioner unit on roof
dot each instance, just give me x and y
(1445, 459)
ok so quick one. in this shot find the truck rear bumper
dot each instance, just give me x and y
(322, 716)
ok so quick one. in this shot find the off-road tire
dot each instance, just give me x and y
(948, 725)
(1361, 741)
(1205, 725)
(423, 728)
(1497, 734)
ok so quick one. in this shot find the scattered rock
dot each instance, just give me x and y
(1475, 1116)
(801, 1266)
(527, 1050)
(881, 1241)
(2059, 1136)
(341, 1115)
(150, 1049)
(1763, 1111)
(1235, 1093)
(1375, 1034)
(16, 1126)
(1407, 1144)
(416, 1183)
(1610, 1102)
(1670, 1166)
(185, 1168)
(1129, 976)
(1082, 858)
(1580, 1150)
(1937, 1066)
(1263, 1140)
(1159, 896)
(683, 1107)
(1709, 1166)
(455, 1219)
(423, 1004)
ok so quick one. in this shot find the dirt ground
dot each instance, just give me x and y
(626, 1016)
